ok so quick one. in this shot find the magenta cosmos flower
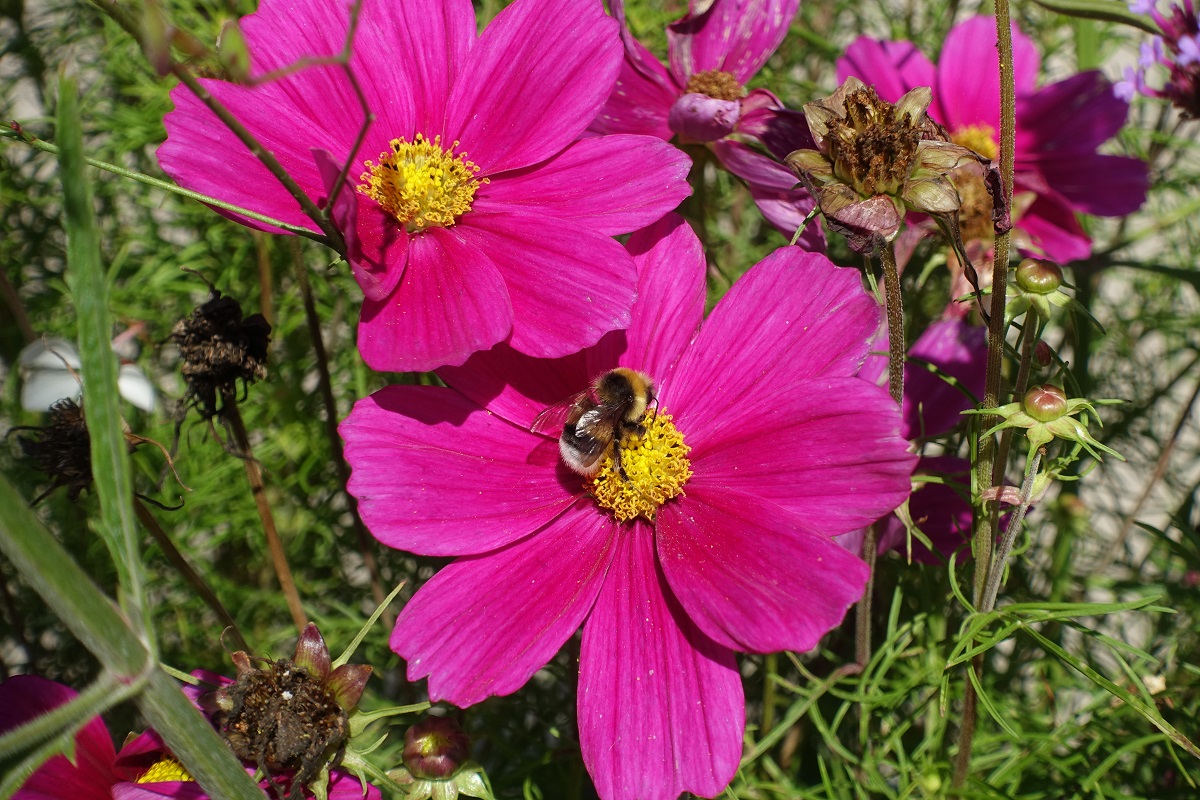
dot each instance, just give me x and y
(474, 206)
(766, 446)
(1059, 127)
(701, 96)
(142, 770)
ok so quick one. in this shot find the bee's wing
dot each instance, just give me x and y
(551, 421)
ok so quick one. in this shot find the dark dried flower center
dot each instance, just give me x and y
(219, 347)
(872, 148)
(283, 718)
(61, 449)
(717, 84)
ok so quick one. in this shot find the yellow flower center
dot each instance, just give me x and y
(656, 466)
(980, 138)
(165, 769)
(717, 84)
(421, 184)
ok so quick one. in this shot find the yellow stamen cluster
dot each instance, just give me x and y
(980, 138)
(657, 468)
(165, 769)
(717, 84)
(421, 184)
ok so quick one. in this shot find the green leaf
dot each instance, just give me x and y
(1103, 10)
(89, 290)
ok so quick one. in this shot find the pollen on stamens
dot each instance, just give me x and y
(717, 84)
(165, 769)
(656, 465)
(420, 183)
(980, 138)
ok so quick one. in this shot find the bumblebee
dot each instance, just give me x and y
(600, 420)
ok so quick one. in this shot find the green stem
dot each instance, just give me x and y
(1029, 339)
(331, 432)
(1014, 525)
(189, 574)
(986, 512)
(254, 474)
(167, 186)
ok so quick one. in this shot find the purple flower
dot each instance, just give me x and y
(1178, 49)
(764, 442)
(1059, 127)
(476, 196)
(143, 770)
(700, 96)
(932, 407)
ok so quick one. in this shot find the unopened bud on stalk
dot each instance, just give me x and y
(1039, 276)
(435, 748)
(1042, 354)
(1045, 403)
(233, 53)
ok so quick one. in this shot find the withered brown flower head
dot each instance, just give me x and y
(220, 347)
(291, 714)
(61, 449)
(876, 159)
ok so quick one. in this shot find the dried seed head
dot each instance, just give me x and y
(219, 347)
(281, 717)
(61, 449)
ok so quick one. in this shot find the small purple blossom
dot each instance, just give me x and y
(1142, 6)
(1177, 51)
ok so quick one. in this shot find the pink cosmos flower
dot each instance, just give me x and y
(764, 440)
(1059, 127)
(478, 207)
(714, 52)
(142, 770)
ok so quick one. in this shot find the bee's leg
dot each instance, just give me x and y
(619, 464)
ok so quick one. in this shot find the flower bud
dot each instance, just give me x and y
(1042, 354)
(435, 748)
(233, 53)
(1039, 276)
(1045, 403)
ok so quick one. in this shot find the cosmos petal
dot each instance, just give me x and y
(507, 121)
(569, 285)
(483, 625)
(893, 68)
(450, 302)
(23, 698)
(810, 319)
(610, 184)
(660, 705)
(855, 466)
(968, 86)
(736, 36)
(750, 576)
(417, 454)
(671, 290)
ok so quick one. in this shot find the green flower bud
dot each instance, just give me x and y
(1039, 276)
(1045, 403)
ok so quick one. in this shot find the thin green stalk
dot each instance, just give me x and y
(986, 513)
(189, 574)
(1029, 339)
(992, 589)
(770, 670)
(333, 237)
(335, 441)
(893, 303)
(274, 545)
(89, 291)
(167, 186)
